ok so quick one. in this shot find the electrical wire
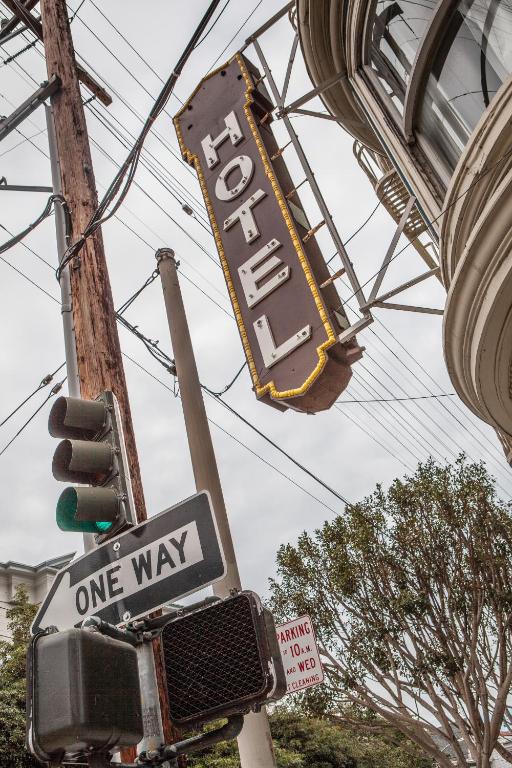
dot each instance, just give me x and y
(75, 13)
(228, 386)
(55, 389)
(271, 442)
(42, 216)
(26, 277)
(397, 399)
(43, 383)
(20, 143)
(358, 230)
(236, 439)
(249, 17)
(168, 363)
(122, 181)
(201, 41)
(47, 263)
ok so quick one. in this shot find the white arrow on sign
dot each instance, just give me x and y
(128, 575)
(161, 560)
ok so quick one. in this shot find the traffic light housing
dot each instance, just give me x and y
(221, 659)
(92, 452)
(83, 695)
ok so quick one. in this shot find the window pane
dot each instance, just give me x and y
(397, 32)
(470, 66)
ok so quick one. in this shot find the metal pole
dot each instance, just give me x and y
(255, 741)
(65, 284)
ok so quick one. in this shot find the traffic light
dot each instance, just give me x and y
(83, 695)
(220, 659)
(92, 452)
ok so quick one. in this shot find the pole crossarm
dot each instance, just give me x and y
(22, 13)
(10, 26)
(23, 188)
(47, 89)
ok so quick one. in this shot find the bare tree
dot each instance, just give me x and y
(411, 595)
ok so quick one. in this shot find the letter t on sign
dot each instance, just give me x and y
(210, 146)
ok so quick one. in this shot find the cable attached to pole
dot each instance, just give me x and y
(129, 167)
(44, 215)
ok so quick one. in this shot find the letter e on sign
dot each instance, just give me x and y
(300, 655)
(289, 325)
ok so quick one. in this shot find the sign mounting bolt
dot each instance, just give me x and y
(117, 546)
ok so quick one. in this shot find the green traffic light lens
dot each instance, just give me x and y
(67, 507)
(102, 527)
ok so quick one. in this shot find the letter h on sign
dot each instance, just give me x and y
(289, 326)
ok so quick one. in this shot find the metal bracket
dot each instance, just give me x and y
(46, 89)
(408, 308)
(23, 188)
(283, 112)
(320, 201)
(389, 254)
(193, 744)
(312, 93)
(354, 329)
(312, 113)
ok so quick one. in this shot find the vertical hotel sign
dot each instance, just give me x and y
(273, 267)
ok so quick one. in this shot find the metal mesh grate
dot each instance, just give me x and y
(212, 660)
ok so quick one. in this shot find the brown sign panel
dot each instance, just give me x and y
(272, 264)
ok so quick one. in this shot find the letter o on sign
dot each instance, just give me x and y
(246, 166)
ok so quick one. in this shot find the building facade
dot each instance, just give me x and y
(425, 88)
(37, 579)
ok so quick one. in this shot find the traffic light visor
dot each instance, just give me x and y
(87, 510)
(77, 419)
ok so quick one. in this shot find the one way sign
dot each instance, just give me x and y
(161, 560)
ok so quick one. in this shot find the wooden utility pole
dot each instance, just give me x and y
(98, 350)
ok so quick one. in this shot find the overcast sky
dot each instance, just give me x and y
(352, 447)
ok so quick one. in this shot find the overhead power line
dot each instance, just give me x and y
(42, 216)
(397, 399)
(56, 388)
(44, 383)
(201, 41)
(122, 181)
(458, 407)
(236, 439)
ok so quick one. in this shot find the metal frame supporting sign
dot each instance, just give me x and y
(289, 314)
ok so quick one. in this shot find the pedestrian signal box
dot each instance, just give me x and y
(83, 695)
(221, 659)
